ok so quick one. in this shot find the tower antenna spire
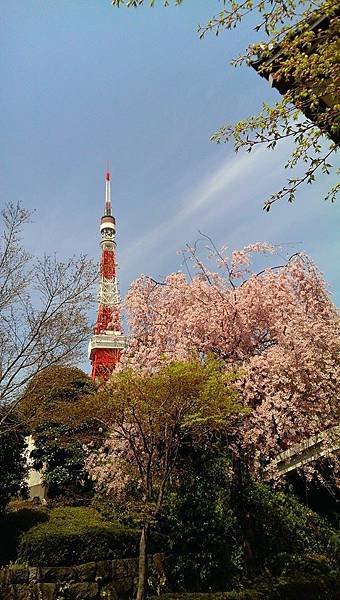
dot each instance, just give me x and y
(108, 206)
(107, 343)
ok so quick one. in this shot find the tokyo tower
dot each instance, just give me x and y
(107, 342)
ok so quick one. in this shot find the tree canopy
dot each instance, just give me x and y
(278, 325)
(151, 416)
(54, 411)
(56, 395)
(13, 463)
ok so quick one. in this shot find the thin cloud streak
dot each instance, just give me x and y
(232, 176)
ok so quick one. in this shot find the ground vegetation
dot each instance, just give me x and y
(226, 534)
(75, 535)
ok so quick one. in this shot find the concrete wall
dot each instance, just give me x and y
(109, 579)
(34, 478)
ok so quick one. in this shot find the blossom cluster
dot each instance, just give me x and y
(111, 466)
(279, 325)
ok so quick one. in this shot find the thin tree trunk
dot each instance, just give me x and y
(143, 562)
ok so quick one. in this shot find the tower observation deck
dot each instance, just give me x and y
(107, 341)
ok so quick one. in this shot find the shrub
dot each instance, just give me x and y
(13, 468)
(300, 586)
(204, 548)
(277, 524)
(306, 576)
(75, 535)
(225, 533)
(12, 525)
(314, 565)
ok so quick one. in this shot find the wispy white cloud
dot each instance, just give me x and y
(221, 190)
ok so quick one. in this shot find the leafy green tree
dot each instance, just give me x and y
(60, 454)
(306, 71)
(56, 395)
(53, 411)
(276, 524)
(43, 310)
(13, 468)
(151, 416)
(225, 534)
(198, 517)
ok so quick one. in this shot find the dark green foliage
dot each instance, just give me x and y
(12, 524)
(55, 413)
(204, 542)
(301, 586)
(275, 522)
(311, 578)
(62, 454)
(52, 391)
(225, 534)
(12, 462)
(309, 564)
(297, 578)
(75, 535)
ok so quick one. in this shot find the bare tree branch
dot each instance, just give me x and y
(44, 307)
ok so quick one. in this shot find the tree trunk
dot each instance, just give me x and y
(143, 562)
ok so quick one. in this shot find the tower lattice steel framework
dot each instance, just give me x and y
(107, 342)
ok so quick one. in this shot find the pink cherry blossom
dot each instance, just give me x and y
(278, 325)
(111, 466)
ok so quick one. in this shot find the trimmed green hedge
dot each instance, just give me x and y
(12, 525)
(75, 535)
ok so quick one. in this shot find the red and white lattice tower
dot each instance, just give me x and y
(107, 342)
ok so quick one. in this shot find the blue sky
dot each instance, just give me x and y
(83, 82)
